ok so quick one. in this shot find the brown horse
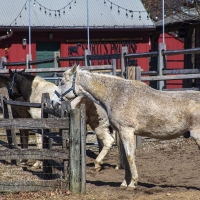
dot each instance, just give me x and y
(17, 111)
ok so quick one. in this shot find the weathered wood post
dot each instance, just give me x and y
(56, 64)
(65, 110)
(75, 171)
(77, 151)
(123, 61)
(161, 64)
(114, 65)
(7, 114)
(87, 62)
(46, 142)
(83, 149)
(28, 58)
(3, 59)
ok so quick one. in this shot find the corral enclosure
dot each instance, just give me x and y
(148, 185)
(57, 128)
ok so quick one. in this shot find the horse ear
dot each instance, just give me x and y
(74, 68)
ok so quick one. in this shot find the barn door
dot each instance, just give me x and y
(46, 50)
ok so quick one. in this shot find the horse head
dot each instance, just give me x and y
(13, 91)
(67, 88)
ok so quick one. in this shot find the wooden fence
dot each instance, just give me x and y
(161, 74)
(67, 157)
(125, 71)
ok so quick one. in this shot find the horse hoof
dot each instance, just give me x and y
(119, 167)
(37, 165)
(23, 162)
(98, 169)
(131, 188)
(124, 187)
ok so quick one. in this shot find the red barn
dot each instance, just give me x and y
(60, 26)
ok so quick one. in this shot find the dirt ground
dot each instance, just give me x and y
(167, 170)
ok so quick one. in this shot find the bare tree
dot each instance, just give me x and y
(180, 10)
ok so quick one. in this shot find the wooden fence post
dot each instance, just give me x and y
(123, 61)
(56, 64)
(3, 59)
(83, 149)
(138, 73)
(7, 113)
(161, 64)
(28, 58)
(46, 142)
(114, 65)
(65, 109)
(87, 62)
(75, 171)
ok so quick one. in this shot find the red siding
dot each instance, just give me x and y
(16, 53)
(176, 61)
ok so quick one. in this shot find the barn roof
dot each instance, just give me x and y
(70, 14)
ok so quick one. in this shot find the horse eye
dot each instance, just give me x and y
(62, 83)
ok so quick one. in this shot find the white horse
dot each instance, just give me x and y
(134, 108)
(31, 88)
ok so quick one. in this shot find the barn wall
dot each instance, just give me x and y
(175, 61)
(102, 42)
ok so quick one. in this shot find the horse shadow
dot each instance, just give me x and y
(145, 185)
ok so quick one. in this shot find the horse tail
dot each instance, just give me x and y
(121, 151)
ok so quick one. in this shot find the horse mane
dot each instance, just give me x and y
(30, 76)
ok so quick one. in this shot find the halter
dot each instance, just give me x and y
(11, 93)
(60, 96)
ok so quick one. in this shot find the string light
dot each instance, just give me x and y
(62, 10)
(126, 14)
(126, 10)
(132, 15)
(118, 11)
(58, 11)
(140, 16)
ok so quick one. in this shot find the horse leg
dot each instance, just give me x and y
(38, 163)
(107, 140)
(131, 174)
(195, 134)
(24, 134)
